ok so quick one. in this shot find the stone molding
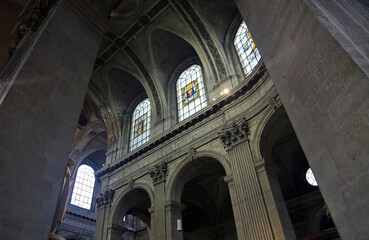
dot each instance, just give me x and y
(131, 184)
(173, 205)
(192, 153)
(232, 135)
(105, 199)
(275, 102)
(229, 180)
(210, 111)
(158, 172)
(115, 228)
(202, 34)
(269, 167)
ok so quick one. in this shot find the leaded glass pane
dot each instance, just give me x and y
(245, 46)
(83, 187)
(140, 129)
(310, 178)
(190, 92)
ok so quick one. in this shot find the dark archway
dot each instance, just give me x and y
(208, 210)
(132, 214)
(280, 147)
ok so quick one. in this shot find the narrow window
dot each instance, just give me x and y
(246, 49)
(190, 92)
(140, 127)
(83, 187)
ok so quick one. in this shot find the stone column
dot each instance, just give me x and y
(251, 216)
(274, 200)
(317, 55)
(38, 118)
(158, 174)
(103, 231)
(173, 211)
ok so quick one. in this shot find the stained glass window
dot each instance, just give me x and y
(246, 48)
(310, 177)
(190, 92)
(83, 187)
(140, 128)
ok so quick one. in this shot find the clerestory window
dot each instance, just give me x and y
(140, 127)
(190, 92)
(83, 187)
(248, 54)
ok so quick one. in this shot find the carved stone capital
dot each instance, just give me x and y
(158, 172)
(105, 198)
(234, 134)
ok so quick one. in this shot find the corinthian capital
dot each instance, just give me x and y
(158, 172)
(234, 134)
(105, 199)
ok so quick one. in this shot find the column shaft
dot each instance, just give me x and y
(38, 118)
(254, 217)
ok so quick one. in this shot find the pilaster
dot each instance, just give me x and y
(158, 175)
(104, 201)
(251, 216)
(274, 200)
(173, 211)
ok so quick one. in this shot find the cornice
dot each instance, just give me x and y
(209, 111)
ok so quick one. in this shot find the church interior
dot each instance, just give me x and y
(184, 119)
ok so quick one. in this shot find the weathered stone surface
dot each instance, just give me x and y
(38, 119)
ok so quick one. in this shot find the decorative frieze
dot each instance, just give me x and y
(234, 134)
(158, 172)
(105, 199)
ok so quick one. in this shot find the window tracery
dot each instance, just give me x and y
(190, 92)
(140, 127)
(248, 54)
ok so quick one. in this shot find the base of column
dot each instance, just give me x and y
(53, 236)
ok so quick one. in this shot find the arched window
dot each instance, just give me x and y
(140, 127)
(246, 49)
(83, 187)
(190, 92)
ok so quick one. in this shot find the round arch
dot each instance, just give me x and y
(122, 203)
(177, 180)
(259, 130)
